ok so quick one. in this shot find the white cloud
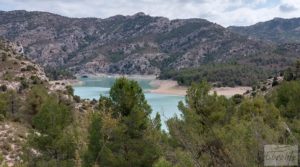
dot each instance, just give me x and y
(224, 12)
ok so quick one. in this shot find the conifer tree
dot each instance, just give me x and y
(129, 143)
(95, 141)
(52, 136)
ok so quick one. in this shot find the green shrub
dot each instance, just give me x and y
(36, 80)
(223, 74)
(2, 117)
(237, 99)
(30, 68)
(4, 57)
(264, 88)
(8, 76)
(3, 88)
(70, 90)
(24, 84)
(275, 83)
(162, 162)
(77, 99)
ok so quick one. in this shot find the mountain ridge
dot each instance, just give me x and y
(100, 44)
(138, 44)
(277, 30)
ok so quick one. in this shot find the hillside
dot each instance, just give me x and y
(44, 127)
(141, 44)
(16, 74)
(278, 30)
(22, 84)
(16, 71)
(138, 44)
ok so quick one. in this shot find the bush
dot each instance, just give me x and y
(30, 68)
(162, 162)
(93, 102)
(36, 80)
(57, 140)
(3, 88)
(3, 104)
(4, 57)
(2, 117)
(288, 75)
(8, 76)
(225, 74)
(263, 88)
(58, 74)
(275, 83)
(237, 99)
(1, 158)
(287, 99)
(24, 85)
(77, 99)
(70, 90)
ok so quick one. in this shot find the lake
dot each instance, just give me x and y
(166, 105)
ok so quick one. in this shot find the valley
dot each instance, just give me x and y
(145, 91)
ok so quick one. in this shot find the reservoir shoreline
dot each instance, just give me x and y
(168, 87)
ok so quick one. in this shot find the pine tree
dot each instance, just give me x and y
(129, 142)
(3, 105)
(202, 115)
(52, 137)
(95, 141)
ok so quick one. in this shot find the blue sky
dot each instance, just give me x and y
(224, 12)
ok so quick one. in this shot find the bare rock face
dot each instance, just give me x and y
(138, 44)
(16, 69)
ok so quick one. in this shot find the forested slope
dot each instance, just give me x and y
(44, 127)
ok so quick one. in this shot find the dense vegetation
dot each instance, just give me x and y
(58, 73)
(117, 130)
(219, 74)
(212, 131)
(215, 131)
(129, 138)
(56, 128)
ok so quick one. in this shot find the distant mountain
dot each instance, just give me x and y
(138, 44)
(141, 44)
(277, 30)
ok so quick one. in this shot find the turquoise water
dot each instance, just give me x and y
(166, 105)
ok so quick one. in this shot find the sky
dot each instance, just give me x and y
(224, 12)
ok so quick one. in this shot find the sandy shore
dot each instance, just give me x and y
(171, 87)
(167, 87)
(230, 91)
